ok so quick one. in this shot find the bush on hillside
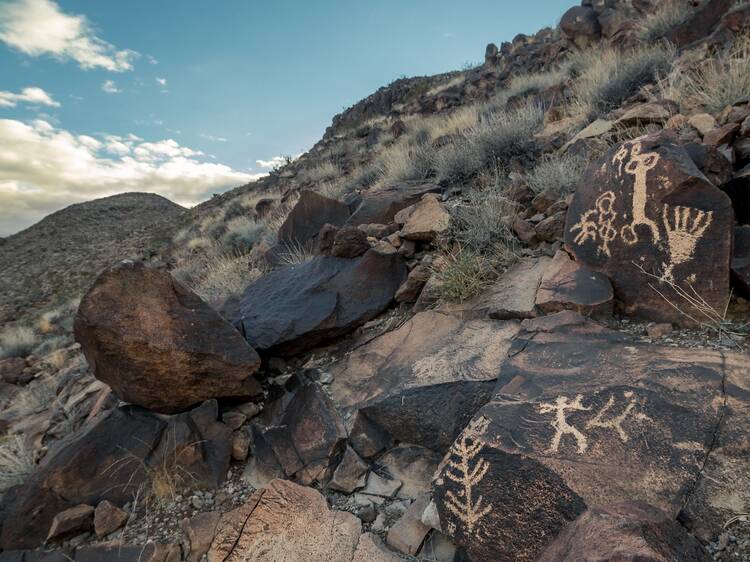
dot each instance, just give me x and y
(17, 341)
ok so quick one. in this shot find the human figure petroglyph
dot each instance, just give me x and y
(614, 422)
(560, 406)
(638, 166)
(685, 226)
(596, 224)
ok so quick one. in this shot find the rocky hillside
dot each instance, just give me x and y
(60, 256)
(493, 315)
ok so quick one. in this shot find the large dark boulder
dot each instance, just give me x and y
(125, 450)
(700, 24)
(380, 204)
(308, 216)
(647, 218)
(584, 416)
(741, 259)
(295, 308)
(625, 532)
(158, 345)
(580, 25)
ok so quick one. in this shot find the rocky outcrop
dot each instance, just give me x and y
(583, 416)
(308, 216)
(647, 218)
(158, 345)
(285, 522)
(297, 307)
(380, 204)
(125, 449)
(422, 382)
(625, 532)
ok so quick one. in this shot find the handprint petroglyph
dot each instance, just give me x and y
(685, 226)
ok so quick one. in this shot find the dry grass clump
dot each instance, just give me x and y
(668, 15)
(606, 77)
(717, 82)
(326, 171)
(218, 275)
(17, 341)
(243, 233)
(556, 173)
(462, 274)
(406, 159)
(295, 253)
(17, 462)
(494, 141)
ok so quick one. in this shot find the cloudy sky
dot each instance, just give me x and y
(191, 98)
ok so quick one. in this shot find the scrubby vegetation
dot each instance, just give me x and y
(668, 15)
(17, 341)
(557, 174)
(17, 462)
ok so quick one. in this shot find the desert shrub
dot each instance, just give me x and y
(494, 141)
(335, 189)
(606, 77)
(326, 171)
(717, 82)
(483, 225)
(243, 233)
(17, 341)
(462, 274)
(17, 462)
(668, 15)
(295, 253)
(52, 344)
(218, 275)
(406, 160)
(558, 174)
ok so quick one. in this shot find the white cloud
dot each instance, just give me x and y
(31, 95)
(44, 168)
(162, 81)
(110, 87)
(39, 27)
(213, 138)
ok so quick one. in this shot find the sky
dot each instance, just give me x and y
(189, 98)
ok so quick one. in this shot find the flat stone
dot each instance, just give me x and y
(379, 205)
(72, 521)
(379, 486)
(371, 549)
(408, 533)
(645, 113)
(595, 129)
(350, 473)
(568, 285)
(704, 123)
(199, 532)
(108, 518)
(285, 522)
(428, 219)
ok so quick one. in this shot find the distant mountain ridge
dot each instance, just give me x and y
(58, 257)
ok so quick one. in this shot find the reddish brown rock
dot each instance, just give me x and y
(646, 217)
(380, 204)
(410, 289)
(285, 522)
(408, 533)
(722, 135)
(625, 532)
(700, 24)
(427, 220)
(551, 228)
(72, 521)
(349, 242)
(525, 231)
(568, 285)
(199, 532)
(371, 549)
(158, 345)
(422, 382)
(350, 473)
(645, 113)
(108, 518)
(584, 416)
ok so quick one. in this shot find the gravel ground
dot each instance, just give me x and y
(733, 545)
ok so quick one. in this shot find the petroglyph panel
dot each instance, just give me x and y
(644, 214)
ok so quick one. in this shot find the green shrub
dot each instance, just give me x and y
(463, 274)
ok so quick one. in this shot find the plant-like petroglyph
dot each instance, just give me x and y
(638, 166)
(614, 422)
(596, 223)
(560, 406)
(685, 226)
(467, 473)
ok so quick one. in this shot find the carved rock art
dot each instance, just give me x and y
(584, 416)
(646, 206)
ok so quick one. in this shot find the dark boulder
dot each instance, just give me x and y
(126, 449)
(297, 307)
(158, 345)
(580, 25)
(647, 218)
(311, 212)
(380, 204)
(625, 532)
(741, 259)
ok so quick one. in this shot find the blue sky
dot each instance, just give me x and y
(183, 98)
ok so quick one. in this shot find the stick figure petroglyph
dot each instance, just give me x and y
(596, 224)
(614, 422)
(638, 167)
(561, 405)
(684, 229)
